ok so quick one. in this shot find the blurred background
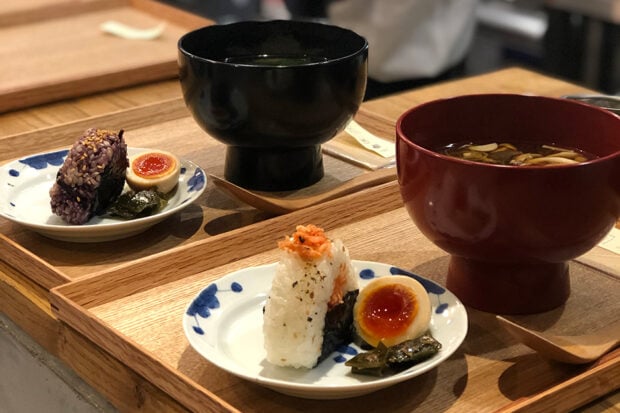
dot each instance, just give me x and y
(573, 39)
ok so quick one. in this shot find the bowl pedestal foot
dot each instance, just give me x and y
(509, 288)
(274, 169)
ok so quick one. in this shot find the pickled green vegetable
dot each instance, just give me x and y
(383, 361)
(131, 204)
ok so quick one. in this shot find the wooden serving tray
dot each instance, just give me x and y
(54, 49)
(165, 125)
(168, 125)
(15, 12)
(135, 313)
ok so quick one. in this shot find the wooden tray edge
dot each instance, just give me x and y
(70, 305)
(57, 10)
(595, 382)
(61, 9)
(141, 274)
(148, 366)
(46, 93)
(75, 88)
(36, 269)
(64, 135)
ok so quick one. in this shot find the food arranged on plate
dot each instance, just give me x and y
(132, 204)
(152, 177)
(309, 310)
(384, 360)
(315, 306)
(83, 194)
(392, 310)
(392, 315)
(310, 289)
(153, 169)
(521, 155)
(92, 179)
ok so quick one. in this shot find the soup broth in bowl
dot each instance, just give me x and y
(510, 229)
(523, 154)
(277, 60)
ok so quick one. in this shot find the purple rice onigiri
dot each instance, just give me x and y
(92, 176)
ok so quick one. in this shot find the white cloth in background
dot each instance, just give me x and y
(409, 39)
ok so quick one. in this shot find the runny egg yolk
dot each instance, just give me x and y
(388, 311)
(151, 165)
(154, 169)
(392, 309)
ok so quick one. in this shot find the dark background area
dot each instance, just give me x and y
(575, 45)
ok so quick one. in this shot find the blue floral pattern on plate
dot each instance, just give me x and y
(223, 323)
(24, 198)
(197, 181)
(207, 301)
(44, 160)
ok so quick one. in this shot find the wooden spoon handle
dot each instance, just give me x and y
(278, 205)
(611, 332)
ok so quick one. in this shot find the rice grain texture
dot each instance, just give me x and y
(297, 305)
(91, 177)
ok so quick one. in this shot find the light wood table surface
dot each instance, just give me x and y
(27, 303)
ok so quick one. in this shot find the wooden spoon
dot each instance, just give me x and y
(567, 349)
(285, 205)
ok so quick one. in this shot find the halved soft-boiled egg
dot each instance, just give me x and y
(392, 309)
(153, 169)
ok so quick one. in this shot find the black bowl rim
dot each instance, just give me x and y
(254, 22)
(401, 136)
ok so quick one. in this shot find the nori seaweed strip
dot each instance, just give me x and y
(110, 187)
(137, 204)
(338, 328)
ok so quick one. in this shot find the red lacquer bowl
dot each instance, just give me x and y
(510, 230)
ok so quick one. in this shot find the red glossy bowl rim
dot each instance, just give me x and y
(401, 136)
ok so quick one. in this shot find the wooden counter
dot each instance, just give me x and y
(33, 265)
(57, 49)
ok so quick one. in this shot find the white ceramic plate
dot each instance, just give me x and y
(224, 324)
(24, 198)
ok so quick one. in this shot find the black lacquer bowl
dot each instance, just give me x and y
(273, 92)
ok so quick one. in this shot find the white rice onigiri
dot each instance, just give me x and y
(301, 293)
